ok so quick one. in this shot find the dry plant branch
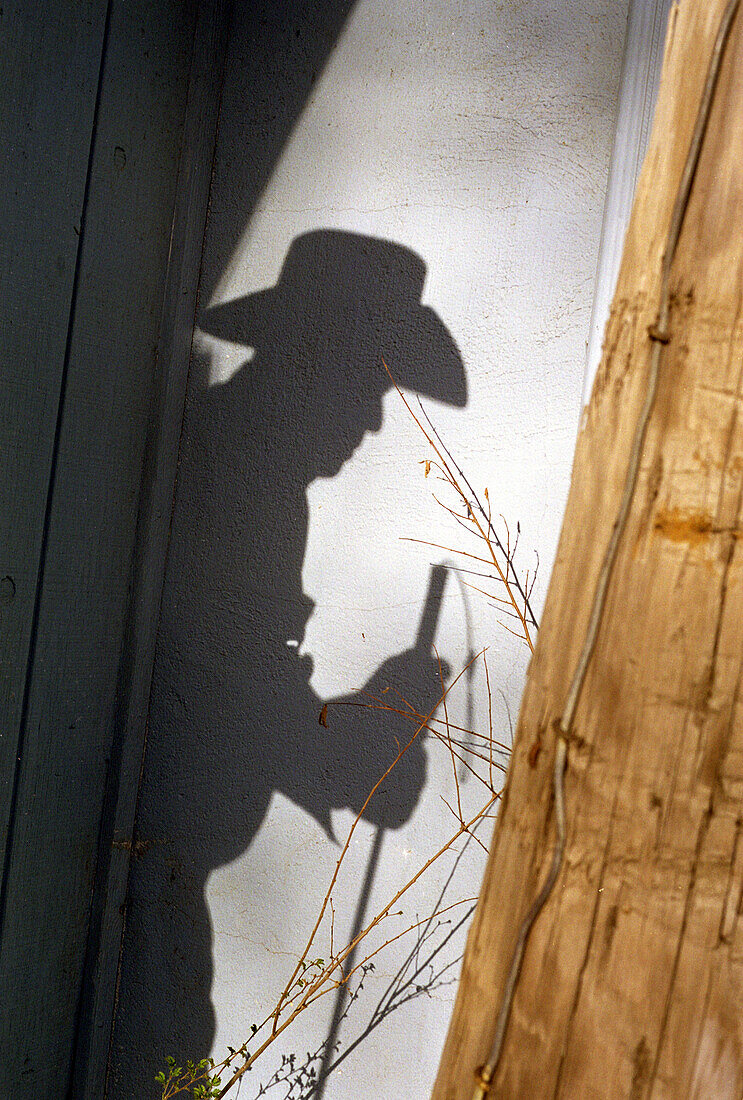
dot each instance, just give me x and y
(421, 973)
(313, 977)
(298, 1000)
(477, 520)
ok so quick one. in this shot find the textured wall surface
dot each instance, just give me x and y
(423, 182)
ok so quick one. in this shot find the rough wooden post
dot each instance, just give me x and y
(632, 984)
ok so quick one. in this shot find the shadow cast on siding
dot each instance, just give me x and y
(233, 717)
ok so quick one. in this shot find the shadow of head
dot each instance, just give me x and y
(344, 305)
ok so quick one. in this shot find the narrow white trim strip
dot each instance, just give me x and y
(638, 88)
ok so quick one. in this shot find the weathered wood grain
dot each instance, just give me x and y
(633, 978)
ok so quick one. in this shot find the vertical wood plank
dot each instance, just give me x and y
(81, 667)
(159, 475)
(49, 70)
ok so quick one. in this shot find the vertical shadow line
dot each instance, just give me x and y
(340, 997)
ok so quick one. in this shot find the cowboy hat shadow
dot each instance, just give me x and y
(344, 316)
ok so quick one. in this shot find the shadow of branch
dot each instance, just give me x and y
(422, 972)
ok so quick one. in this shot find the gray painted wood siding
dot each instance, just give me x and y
(99, 249)
(50, 66)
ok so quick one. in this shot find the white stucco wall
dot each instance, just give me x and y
(477, 135)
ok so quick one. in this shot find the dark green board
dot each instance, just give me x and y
(50, 68)
(107, 114)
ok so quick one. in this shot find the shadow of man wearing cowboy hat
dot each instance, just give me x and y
(233, 717)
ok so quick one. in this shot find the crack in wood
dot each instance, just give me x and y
(589, 946)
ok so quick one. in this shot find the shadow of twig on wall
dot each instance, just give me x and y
(422, 972)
